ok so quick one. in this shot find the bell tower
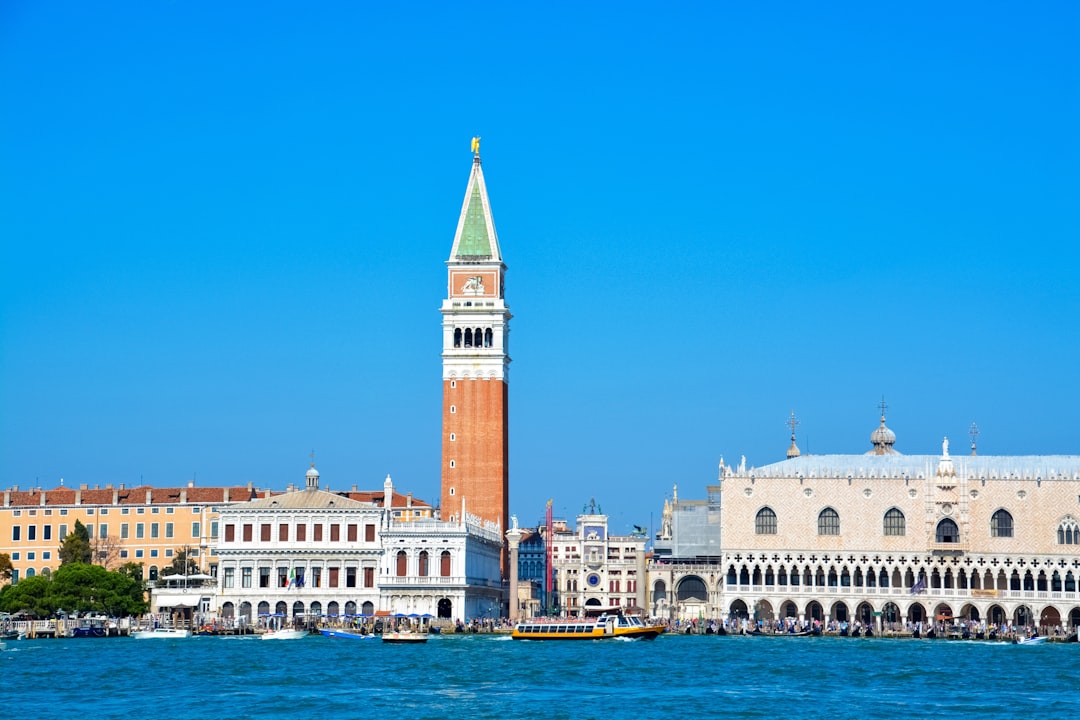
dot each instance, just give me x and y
(475, 363)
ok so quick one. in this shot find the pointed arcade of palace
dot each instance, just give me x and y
(476, 323)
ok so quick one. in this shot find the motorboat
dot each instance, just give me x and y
(405, 637)
(285, 634)
(608, 625)
(346, 633)
(161, 632)
(1036, 640)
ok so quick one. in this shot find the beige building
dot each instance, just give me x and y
(143, 524)
(887, 538)
(596, 570)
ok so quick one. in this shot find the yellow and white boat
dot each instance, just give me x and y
(606, 626)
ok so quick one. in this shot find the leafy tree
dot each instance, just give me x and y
(76, 546)
(184, 564)
(81, 588)
(133, 570)
(6, 568)
(28, 595)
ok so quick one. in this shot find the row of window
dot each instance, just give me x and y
(300, 534)
(297, 577)
(103, 531)
(894, 524)
(102, 511)
(976, 580)
(470, 337)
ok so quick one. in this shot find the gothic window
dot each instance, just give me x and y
(1068, 532)
(765, 522)
(828, 522)
(894, 522)
(1001, 524)
(457, 337)
(947, 532)
(487, 338)
(468, 337)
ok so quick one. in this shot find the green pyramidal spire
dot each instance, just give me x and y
(475, 238)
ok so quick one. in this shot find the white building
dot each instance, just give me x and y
(309, 553)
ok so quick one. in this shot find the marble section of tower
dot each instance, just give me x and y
(475, 471)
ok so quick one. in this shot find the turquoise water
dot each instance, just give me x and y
(477, 676)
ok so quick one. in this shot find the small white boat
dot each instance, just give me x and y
(284, 634)
(403, 637)
(1037, 640)
(161, 632)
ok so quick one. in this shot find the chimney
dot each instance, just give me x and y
(149, 496)
(78, 496)
(225, 497)
(183, 495)
(42, 498)
(408, 500)
(116, 496)
(7, 498)
(191, 483)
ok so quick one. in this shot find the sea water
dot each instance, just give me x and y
(492, 676)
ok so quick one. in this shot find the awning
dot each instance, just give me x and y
(162, 600)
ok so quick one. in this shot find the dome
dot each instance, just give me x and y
(312, 472)
(883, 440)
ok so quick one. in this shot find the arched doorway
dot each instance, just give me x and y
(368, 608)
(865, 613)
(916, 613)
(790, 610)
(281, 608)
(814, 611)
(943, 614)
(332, 608)
(445, 608)
(316, 608)
(1050, 617)
(1023, 616)
(350, 608)
(264, 608)
(997, 615)
(739, 610)
(839, 612)
(245, 612)
(890, 613)
(1074, 617)
(297, 609)
(228, 611)
(970, 613)
(763, 611)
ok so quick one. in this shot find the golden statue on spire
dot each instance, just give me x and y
(476, 145)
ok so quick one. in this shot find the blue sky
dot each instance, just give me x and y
(224, 228)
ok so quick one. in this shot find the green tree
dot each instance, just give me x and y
(184, 564)
(133, 570)
(75, 548)
(6, 568)
(28, 595)
(79, 587)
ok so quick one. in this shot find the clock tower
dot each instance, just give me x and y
(475, 363)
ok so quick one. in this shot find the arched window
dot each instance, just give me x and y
(1001, 524)
(444, 563)
(423, 567)
(457, 337)
(947, 532)
(402, 563)
(894, 522)
(765, 522)
(828, 522)
(1068, 532)
(487, 337)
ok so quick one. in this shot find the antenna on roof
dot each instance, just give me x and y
(973, 432)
